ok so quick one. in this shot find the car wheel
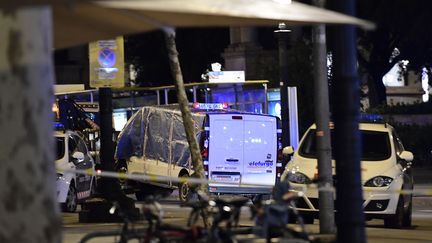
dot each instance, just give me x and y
(141, 196)
(183, 188)
(407, 217)
(396, 220)
(93, 188)
(71, 203)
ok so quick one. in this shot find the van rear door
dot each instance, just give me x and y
(226, 148)
(242, 151)
(260, 150)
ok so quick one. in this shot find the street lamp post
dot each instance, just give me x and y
(282, 37)
(322, 118)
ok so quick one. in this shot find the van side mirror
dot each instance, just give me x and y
(407, 156)
(78, 156)
(288, 150)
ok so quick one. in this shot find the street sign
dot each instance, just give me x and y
(226, 76)
(107, 63)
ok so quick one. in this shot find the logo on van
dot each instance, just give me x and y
(259, 164)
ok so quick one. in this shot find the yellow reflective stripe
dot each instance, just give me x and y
(122, 176)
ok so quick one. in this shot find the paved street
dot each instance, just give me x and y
(420, 232)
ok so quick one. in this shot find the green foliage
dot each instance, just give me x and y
(417, 108)
(417, 139)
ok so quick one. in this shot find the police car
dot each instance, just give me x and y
(385, 171)
(72, 153)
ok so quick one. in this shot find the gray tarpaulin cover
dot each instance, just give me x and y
(157, 132)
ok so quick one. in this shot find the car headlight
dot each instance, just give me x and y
(379, 181)
(298, 177)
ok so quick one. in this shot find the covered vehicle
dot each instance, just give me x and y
(239, 150)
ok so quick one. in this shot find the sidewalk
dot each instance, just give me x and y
(422, 197)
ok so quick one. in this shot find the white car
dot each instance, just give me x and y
(385, 171)
(72, 153)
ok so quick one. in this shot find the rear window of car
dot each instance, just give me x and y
(60, 147)
(375, 145)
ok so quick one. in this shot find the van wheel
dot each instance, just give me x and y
(396, 220)
(71, 203)
(183, 189)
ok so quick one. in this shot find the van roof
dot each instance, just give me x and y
(176, 108)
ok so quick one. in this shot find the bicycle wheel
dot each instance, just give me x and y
(100, 234)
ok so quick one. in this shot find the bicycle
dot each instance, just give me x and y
(273, 216)
(267, 213)
(127, 231)
(155, 230)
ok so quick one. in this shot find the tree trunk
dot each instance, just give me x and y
(188, 122)
(28, 208)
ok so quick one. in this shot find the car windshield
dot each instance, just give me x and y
(375, 145)
(60, 145)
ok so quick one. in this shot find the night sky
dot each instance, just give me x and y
(401, 23)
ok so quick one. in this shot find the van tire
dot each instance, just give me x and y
(183, 189)
(71, 204)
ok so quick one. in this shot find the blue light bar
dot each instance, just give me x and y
(58, 126)
(371, 118)
(210, 106)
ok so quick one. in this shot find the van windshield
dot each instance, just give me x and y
(375, 145)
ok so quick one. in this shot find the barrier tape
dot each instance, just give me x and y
(192, 180)
(418, 192)
(153, 178)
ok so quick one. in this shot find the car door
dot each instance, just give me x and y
(82, 181)
(408, 183)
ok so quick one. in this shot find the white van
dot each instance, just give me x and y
(239, 150)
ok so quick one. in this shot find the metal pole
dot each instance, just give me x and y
(266, 99)
(194, 93)
(166, 96)
(346, 103)
(106, 128)
(293, 116)
(109, 187)
(322, 119)
(282, 36)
